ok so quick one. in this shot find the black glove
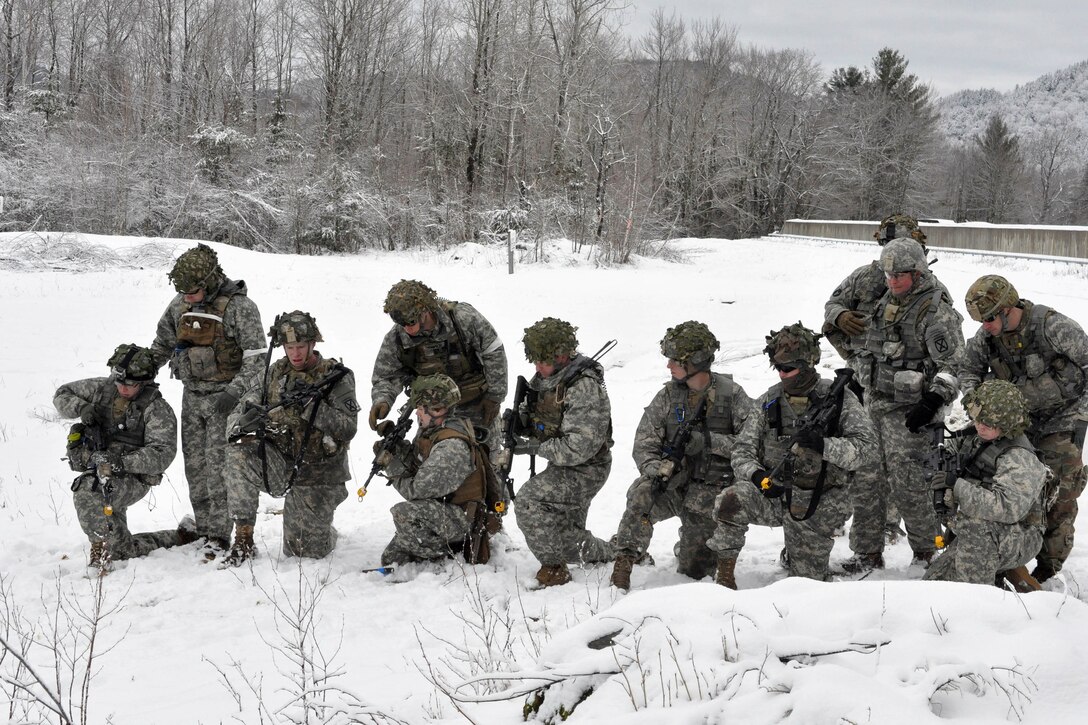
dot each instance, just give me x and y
(86, 414)
(225, 402)
(385, 427)
(942, 485)
(923, 411)
(772, 491)
(249, 421)
(810, 439)
(377, 412)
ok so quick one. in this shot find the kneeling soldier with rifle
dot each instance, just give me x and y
(569, 418)
(682, 449)
(125, 440)
(993, 505)
(796, 450)
(290, 438)
(445, 478)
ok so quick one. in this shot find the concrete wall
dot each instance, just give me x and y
(1018, 239)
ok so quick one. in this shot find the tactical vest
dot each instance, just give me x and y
(475, 484)
(288, 438)
(1048, 380)
(781, 414)
(546, 411)
(213, 357)
(982, 467)
(704, 466)
(449, 356)
(121, 422)
(892, 344)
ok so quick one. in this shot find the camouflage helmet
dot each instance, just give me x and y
(793, 345)
(434, 391)
(903, 255)
(408, 300)
(549, 338)
(690, 343)
(297, 326)
(197, 268)
(988, 296)
(899, 225)
(132, 365)
(998, 404)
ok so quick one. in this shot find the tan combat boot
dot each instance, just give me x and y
(621, 572)
(242, 549)
(553, 575)
(725, 574)
(100, 556)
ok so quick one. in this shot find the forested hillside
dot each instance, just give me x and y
(314, 125)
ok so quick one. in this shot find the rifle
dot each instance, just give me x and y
(515, 423)
(940, 460)
(515, 419)
(822, 418)
(387, 446)
(92, 438)
(943, 459)
(673, 452)
(299, 397)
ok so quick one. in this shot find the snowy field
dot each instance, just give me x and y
(179, 642)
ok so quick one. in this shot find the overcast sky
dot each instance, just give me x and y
(950, 44)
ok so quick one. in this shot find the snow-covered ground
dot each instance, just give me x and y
(181, 642)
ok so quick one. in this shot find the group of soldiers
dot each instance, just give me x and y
(808, 454)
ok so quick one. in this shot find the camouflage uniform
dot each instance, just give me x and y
(214, 347)
(463, 345)
(572, 419)
(691, 491)
(318, 487)
(998, 499)
(858, 296)
(1046, 358)
(141, 436)
(433, 474)
(760, 446)
(906, 363)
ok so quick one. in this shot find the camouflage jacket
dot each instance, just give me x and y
(762, 442)
(443, 471)
(325, 460)
(477, 338)
(1003, 483)
(913, 345)
(241, 326)
(859, 292)
(584, 417)
(673, 403)
(1050, 354)
(152, 450)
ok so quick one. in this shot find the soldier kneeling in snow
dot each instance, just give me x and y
(125, 440)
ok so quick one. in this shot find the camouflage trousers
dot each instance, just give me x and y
(308, 507)
(900, 454)
(871, 505)
(808, 542)
(693, 503)
(1064, 458)
(125, 490)
(425, 530)
(551, 512)
(203, 445)
(981, 549)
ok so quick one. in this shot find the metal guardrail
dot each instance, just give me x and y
(1015, 239)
